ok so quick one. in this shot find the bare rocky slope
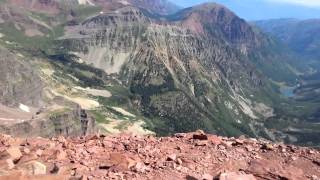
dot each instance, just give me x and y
(183, 156)
(19, 83)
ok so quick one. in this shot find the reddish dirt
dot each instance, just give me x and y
(194, 24)
(184, 156)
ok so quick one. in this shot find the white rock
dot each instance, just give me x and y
(24, 108)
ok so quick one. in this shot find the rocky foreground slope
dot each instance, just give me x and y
(183, 156)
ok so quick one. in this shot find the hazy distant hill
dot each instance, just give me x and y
(302, 36)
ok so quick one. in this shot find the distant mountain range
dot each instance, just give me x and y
(301, 36)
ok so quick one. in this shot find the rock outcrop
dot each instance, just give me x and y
(76, 122)
(19, 82)
(183, 156)
(23, 103)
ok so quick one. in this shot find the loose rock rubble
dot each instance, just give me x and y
(190, 156)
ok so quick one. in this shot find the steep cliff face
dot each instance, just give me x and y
(74, 122)
(19, 82)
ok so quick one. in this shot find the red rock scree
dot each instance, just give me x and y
(189, 156)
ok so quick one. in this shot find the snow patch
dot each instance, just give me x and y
(238, 121)
(84, 2)
(124, 2)
(9, 42)
(208, 99)
(1, 35)
(95, 92)
(24, 108)
(47, 71)
(192, 89)
(122, 111)
(20, 55)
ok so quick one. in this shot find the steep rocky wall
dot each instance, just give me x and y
(19, 82)
(71, 123)
(128, 41)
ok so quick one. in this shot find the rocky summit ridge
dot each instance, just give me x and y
(183, 156)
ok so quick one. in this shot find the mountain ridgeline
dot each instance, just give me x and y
(300, 35)
(189, 70)
(174, 70)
